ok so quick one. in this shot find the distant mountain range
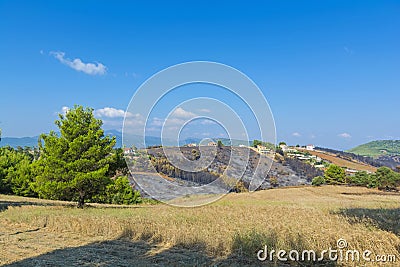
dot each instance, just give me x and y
(378, 148)
(134, 140)
(22, 141)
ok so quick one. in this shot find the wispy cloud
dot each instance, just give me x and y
(348, 50)
(157, 122)
(207, 122)
(181, 113)
(64, 110)
(344, 135)
(206, 110)
(133, 74)
(77, 64)
(134, 120)
(296, 134)
(108, 112)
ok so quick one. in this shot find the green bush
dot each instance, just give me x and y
(319, 180)
(15, 172)
(119, 191)
(335, 175)
(384, 178)
(361, 178)
(387, 179)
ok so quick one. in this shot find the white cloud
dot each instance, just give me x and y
(344, 135)
(181, 113)
(157, 122)
(64, 110)
(207, 122)
(134, 120)
(108, 112)
(78, 65)
(205, 110)
(174, 121)
(296, 134)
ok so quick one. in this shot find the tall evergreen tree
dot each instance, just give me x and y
(73, 165)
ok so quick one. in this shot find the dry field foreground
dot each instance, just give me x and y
(227, 233)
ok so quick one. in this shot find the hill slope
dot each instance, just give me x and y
(378, 148)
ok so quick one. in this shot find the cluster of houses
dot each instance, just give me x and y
(264, 150)
(314, 160)
(291, 152)
(208, 144)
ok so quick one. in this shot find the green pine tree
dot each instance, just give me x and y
(74, 164)
(335, 175)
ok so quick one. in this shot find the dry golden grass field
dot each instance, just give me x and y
(228, 232)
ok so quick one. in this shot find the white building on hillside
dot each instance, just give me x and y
(191, 145)
(128, 151)
(310, 147)
(212, 144)
(284, 148)
(263, 150)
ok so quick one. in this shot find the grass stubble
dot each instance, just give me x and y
(225, 233)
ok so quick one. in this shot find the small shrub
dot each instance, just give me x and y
(119, 191)
(273, 181)
(319, 180)
(361, 178)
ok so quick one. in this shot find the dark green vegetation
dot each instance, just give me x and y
(384, 178)
(80, 164)
(378, 148)
(260, 143)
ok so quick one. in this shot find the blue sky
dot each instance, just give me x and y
(329, 69)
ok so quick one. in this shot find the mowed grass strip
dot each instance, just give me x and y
(230, 230)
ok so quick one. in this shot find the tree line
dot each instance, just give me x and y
(384, 178)
(79, 164)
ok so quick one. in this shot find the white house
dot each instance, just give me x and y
(191, 145)
(284, 148)
(128, 151)
(310, 147)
